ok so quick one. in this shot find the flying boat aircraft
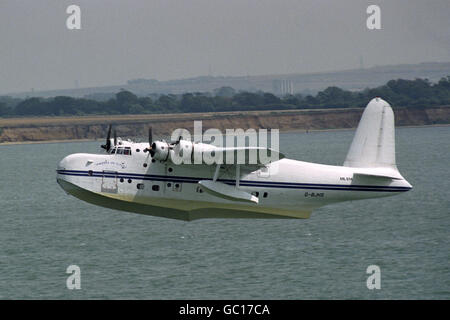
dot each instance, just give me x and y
(144, 178)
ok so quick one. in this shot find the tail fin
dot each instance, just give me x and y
(374, 142)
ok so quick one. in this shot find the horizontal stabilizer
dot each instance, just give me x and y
(226, 191)
(386, 173)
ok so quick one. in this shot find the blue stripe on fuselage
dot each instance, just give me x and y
(247, 183)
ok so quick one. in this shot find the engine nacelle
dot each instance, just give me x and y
(183, 151)
(187, 152)
(160, 150)
(203, 152)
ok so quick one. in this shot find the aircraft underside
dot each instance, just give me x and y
(172, 208)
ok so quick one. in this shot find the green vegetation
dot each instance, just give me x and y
(405, 93)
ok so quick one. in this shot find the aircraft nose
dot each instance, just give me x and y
(75, 161)
(67, 169)
(63, 165)
(66, 163)
(64, 172)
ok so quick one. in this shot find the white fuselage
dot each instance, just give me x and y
(285, 189)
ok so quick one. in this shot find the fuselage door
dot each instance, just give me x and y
(109, 181)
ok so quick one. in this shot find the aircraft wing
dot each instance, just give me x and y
(229, 163)
(249, 159)
(248, 155)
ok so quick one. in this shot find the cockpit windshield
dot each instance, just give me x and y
(121, 150)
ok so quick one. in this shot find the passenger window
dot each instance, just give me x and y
(155, 187)
(176, 187)
(119, 151)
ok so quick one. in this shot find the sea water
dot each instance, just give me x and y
(129, 256)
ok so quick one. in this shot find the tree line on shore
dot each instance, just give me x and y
(419, 93)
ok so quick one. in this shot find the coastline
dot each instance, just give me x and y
(281, 131)
(45, 141)
(91, 128)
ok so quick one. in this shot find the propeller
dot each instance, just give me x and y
(150, 142)
(150, 135)
(107, 146)
(178, 141)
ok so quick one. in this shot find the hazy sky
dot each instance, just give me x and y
(171, 39)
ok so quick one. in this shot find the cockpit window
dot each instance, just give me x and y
(122, 150)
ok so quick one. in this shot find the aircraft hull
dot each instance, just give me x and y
(164, 208)
(285, 199)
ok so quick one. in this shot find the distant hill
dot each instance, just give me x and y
(311, 83)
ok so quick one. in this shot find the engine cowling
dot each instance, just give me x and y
(160, 150)
(182, 151)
